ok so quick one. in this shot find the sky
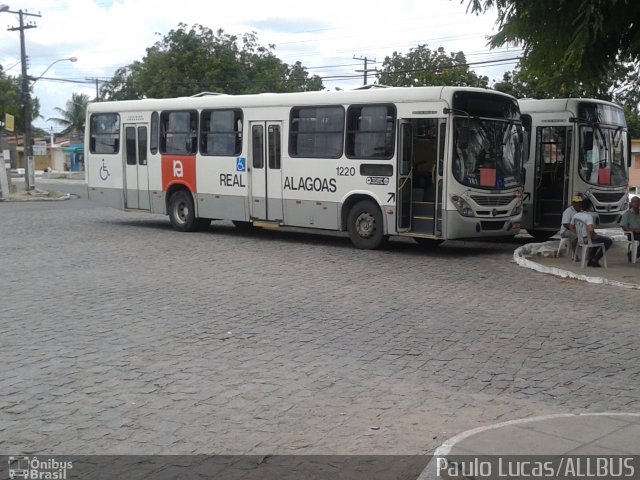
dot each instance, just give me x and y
(105, 35)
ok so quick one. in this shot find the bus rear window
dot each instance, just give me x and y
(104, 133)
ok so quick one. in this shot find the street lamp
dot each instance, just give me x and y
(70, 59)
(29, 174)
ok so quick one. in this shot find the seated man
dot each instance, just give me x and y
(586, 217)
(567, 230)
(630, 221)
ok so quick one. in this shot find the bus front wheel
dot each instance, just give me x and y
(182, 212)
(364, 224)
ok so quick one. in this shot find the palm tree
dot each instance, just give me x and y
(73, 117)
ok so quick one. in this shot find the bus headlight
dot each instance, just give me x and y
(462, 206)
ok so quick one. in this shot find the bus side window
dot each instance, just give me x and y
(221, 132)
(370, 131)
(153, 139)
(179, 132)
(104, 133)
(257, 146)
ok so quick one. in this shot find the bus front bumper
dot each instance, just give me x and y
(468, 227)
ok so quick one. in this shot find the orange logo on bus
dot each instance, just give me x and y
(178, 169)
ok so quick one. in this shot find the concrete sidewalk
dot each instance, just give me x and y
(562, 434)
(539, 439)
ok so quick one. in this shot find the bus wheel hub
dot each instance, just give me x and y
(365, 225)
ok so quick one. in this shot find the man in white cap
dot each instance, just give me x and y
(567, 229)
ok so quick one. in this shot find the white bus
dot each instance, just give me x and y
(433, 163)
(575, 146)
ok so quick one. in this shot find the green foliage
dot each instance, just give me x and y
(523, 83)
(192, 60)
(633, 122)
(72, 118)
(566, 42)
(122, 85)
(589, 48)
(10, 99)
(422, 66)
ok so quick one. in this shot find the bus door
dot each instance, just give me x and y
(266, 175)
(553, 155)
(136, 174)
(404, 169)
(418, 176)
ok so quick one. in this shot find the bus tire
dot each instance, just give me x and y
(182, 212)
(365, 226)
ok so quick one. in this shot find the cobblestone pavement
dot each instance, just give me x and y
(120, 335)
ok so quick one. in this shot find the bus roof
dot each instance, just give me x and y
(210, 100)
(558, 104)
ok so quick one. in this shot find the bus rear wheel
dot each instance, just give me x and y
(364, 225)
(182, 212)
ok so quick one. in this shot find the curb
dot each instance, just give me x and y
(429, 473)
(519, 256)
(38, 197)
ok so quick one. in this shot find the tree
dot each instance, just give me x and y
(11, 100)
(72, 118)
(122, 85)
(522, 82)
(188, 61)
(572, 49)
(566, 42)
(422, 66)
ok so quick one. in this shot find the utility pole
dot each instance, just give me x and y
(29, 174)
(97, 80)
(366, 70)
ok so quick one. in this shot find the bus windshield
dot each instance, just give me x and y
(487, 153)
(603, 155)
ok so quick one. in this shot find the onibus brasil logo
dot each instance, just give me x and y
(33, 468)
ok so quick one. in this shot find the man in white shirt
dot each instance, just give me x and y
(567, 230)
(586, 217)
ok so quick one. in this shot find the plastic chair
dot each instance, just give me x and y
(565, 244)
(585, 243)
(632, 247)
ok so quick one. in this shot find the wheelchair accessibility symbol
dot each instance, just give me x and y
(104, 173)
(241, 164)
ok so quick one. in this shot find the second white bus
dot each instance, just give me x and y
(576, 146)
(432, 163)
